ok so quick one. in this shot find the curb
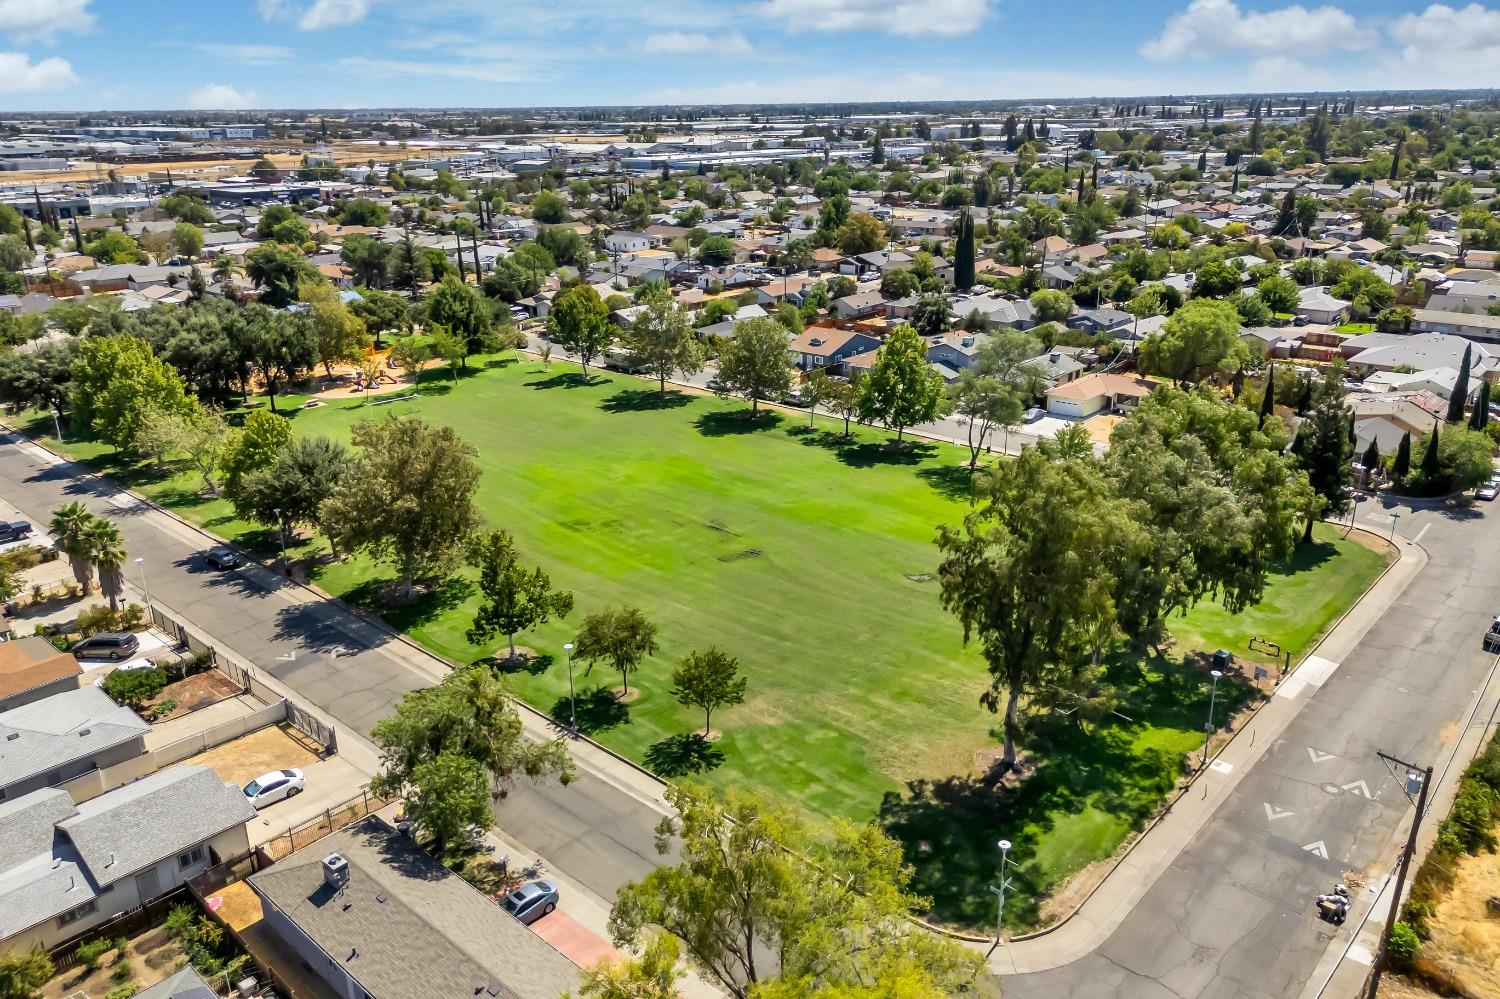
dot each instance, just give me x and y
(358, 612)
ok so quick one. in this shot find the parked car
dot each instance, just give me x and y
(1489, 490)
(14, 530)
(142, 663)
(269, 788)
(112, 645)
(1492, 637)
(1033, 414)
(529, 903)
(221, 558)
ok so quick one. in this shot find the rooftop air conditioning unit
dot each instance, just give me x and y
(335, 871)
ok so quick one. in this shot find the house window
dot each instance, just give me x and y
(73, 915)
(193, 856)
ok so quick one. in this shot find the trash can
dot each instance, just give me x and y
(1222, 659)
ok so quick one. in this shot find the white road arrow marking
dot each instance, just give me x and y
(290, 657)
(1317, 848)
(1318, 757)
(1273, 813)
(1360, 787)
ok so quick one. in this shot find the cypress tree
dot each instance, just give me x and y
(963, 254)
(1481, 416)
(1460, 388)
(1305, 396)
(1431, 462)
(1203, 162)
(1402, 466)
(1371, 460)
(1268, 401)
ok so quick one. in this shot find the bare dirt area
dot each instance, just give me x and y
(150, 957)
(1465, 942)
(197, 691)
(271, 748)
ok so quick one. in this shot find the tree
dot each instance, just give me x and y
(932, 315)
(368, 259)
(362, 212)
(292, 489)
(1326, 451)
(281, 346)
(408, 267)
(1432, 462)
(1371, 459)
(993, 391)
(469, 716)
(188, 239)
(40, 378)
(449, 346)
(1030, 575)
(340, 334)
(653, 975)
(709, 680)
(447, 796)
(410, 358)
(199, 433)
(623, 637)
(1217, 280)
(902, 389)
(106, 550)
(1468, 457)
(862, 233)
(23, 973)
(253, 446)
(549, 209)
(1200, 339)
(514, 598)
(842, 398)
(716, 250)
(579, 322)
(1459, 397)
(408, 500)
(963, 253)
(70, 526)
(116, 381)
(462, 310)
(753, 362)
(1050, 306)
(661, 342)
(757, 888)
(1280, 294)
(1268, 398)
(382, 312)
(278, 271)
(1401, 467)
(1479, 418)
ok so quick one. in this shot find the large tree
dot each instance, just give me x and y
(292, 489)
(579, 322)
(753, 362)
(622, 637)
(1031, 575)
(662, 343)
(408, 500)
(995, 389)
(963, 252)
(116, 380)
(252, 446)
(1201, 339)
(469, 716)
(903, 389)
(708, 679)
(1459, 397)
(278, 271)
(1324, 450)
(106, 547)
(282, 347)
(513, 597)
(69, 527)
(460, 309)
(340, 333)
(762, 899)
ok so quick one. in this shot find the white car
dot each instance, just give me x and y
(269, 788)
(1489, 490)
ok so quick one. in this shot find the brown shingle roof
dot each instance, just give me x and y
(28, 663)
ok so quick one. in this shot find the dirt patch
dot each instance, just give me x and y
(238, 906)
(246, 758)
(150, 956)
(1465, 941)
(197, 691)
(624, 696)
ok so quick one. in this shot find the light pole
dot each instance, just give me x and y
(1412, 775)
(1394, 517)
(1353, 512)
(572, 697)
(999, 891)
(286, 567)
(1208, 728)
(144, 588)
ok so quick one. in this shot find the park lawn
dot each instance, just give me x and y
(1302, 602)
(807, 557)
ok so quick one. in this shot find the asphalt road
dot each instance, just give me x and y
(1233, 916)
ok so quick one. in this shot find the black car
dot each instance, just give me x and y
(113, 645)
(221, 558)
(14, 531)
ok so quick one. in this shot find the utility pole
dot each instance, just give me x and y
(1406, 854)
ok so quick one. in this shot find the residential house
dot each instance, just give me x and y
(627, 242)
(726, 327)
(31, 669)
(955, 351)
(357, 906)
(1102, 320)
(65, 868)
(824, 347)
(859, 305)
(1094, 393)
(183, 984)
(51, 741)
(1371, 352)
(1479, 326)
(1056, 367)
(1319, 306)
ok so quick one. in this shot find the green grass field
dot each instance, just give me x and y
(809, 558)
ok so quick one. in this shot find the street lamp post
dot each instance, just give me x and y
(999, 891)
(1394, 517)
(572, 697)
(1353, 512)
(286, 567)
(1208, 728)
(144, 588)
(1413, 774)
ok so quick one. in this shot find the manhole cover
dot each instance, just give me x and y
(1333, 789)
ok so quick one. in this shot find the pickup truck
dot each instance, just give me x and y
(14, 531)
(1492, 637)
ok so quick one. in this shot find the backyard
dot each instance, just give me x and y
(810, 558)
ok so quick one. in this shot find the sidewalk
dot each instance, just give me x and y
(1102, 912)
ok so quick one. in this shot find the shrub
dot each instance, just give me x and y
(90, 953)
(163, 709)
(1404, 947)
(179, 922)
(134, 687)
(124, 991)
(94, 620)
(121, 974)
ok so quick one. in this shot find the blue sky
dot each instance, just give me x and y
(230, 54)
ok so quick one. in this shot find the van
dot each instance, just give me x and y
(111, 645)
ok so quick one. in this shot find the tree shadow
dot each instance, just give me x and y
(953, 481)
(598, 710)
(377, 595)
(722, 423)
(683, 754)
(866, 454)
(643, 401)
(533, 665)
(563, 379)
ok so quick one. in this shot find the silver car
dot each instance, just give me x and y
(529, 903)
(1489, 490)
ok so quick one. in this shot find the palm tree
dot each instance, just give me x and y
(107, 550)
(226, 267)
(70, 526)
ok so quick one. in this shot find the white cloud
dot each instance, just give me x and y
(483, 72)
(896, 17)
(1279, 72)
(256, 55)
(697, 43)
(33, 20)
(19, 75)
(221, 97)
(332, 14)
(1214, 27)
(1450, 40)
